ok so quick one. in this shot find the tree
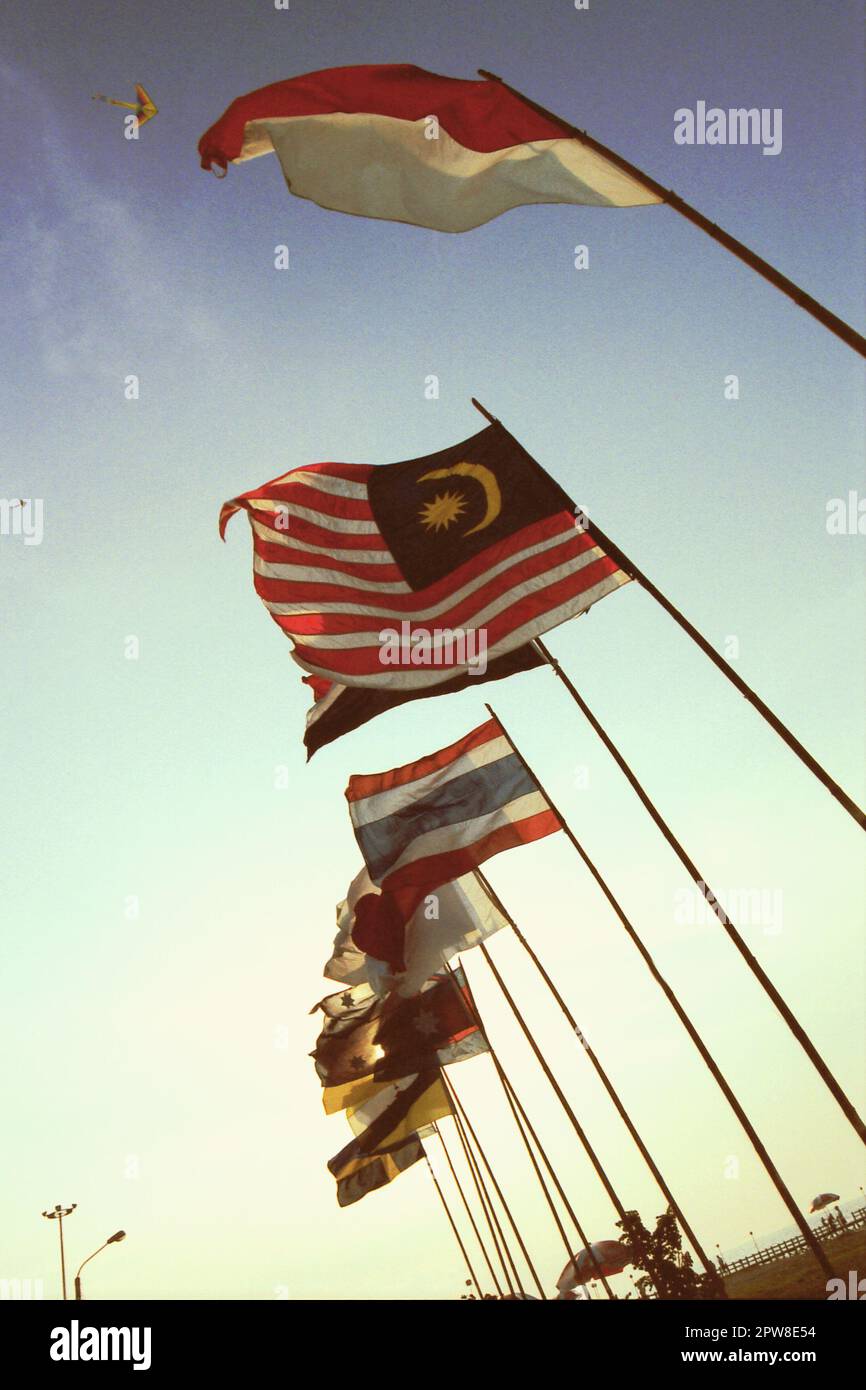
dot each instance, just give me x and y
(666, 1267)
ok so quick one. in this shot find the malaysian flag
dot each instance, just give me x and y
(403, 577)
(433, 820)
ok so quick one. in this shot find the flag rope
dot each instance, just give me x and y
(757, 1144)
(752, 962)
(818, 311)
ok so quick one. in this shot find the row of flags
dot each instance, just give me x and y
(398, 582)
(405, 1013)
(380, 576)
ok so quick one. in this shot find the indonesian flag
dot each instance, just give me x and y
(395, 142)
(431, 821)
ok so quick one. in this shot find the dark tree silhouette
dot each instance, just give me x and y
(666, 1267)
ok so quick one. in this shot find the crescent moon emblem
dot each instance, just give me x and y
(487, 481)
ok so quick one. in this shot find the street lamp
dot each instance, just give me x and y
(57, 1215)
(118, 1235)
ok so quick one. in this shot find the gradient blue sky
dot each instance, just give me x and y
(155, 1069)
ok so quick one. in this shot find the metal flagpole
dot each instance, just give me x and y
(498, 1190)
(560, 1094)
(772, 1171)
(707, 1263)
(752, 962)
(830, 320)
(472, 1222)
(631, 569)
(514, 1100)
(496, 1233)
(536, 1169)
(517, 1110)
(452, 1224)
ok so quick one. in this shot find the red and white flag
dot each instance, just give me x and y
(404, 576)
(395, 142)
(459, 916)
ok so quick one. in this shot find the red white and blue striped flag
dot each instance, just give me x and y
(430, 821)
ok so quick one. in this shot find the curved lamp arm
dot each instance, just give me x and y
(118, 1235)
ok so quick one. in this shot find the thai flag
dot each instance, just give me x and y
(427, 823)
(393, 141)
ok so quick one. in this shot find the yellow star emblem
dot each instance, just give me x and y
(443, 511)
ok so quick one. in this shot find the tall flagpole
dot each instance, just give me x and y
(472, 1222)
(521, 1119)
(497, 1189)
(630, 568)
(452, 1224)
(558, 1091)
(707, 1263)
(766, 713)
(775, 277)
(563, 1196)
(771, 1169)
(754, 965)
(538, 1173)
(493, 1226)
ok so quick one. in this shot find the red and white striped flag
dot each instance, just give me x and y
(395, 142)
(402, 577)
(431, 821)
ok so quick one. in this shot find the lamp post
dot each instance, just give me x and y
(118, 1235)
(57, 1215)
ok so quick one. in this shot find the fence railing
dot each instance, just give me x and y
(795, 1245)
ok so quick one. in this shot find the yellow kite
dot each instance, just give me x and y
(143, 108)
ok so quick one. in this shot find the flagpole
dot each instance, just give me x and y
(770, 1167)
(538, 1173)
(560, 1094)
(582, 1236)
(775, 277)
(518, 1111)
(499, 1242)
(452, 1224)
(465, 1202)
(631, 569)
(752, 962)
(498, 1190)
(707, 1263)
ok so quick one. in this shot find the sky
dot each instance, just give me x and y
(170, 864)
